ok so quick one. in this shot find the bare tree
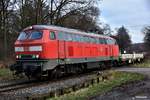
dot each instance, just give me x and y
(6, 7)
(62, 8)
(80, 14)
(57, 12)
(106, 29)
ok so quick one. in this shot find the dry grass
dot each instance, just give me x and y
(5, 74)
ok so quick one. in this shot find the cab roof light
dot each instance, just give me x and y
(28, 28)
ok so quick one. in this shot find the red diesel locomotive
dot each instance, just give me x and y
(45, 50)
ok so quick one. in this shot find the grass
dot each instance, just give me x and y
(144, 64)
(117, 78)
(5, 74)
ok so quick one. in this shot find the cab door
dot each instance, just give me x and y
(110, 50)
(61, 49)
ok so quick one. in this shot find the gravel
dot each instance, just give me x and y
(45, 88)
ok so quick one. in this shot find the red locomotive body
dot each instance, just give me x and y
(43, 49)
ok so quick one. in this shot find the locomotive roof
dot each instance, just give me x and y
(69, 30)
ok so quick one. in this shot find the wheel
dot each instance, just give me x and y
(115, 64)
(57, 73)
(102, 66)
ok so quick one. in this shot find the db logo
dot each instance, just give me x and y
(26, 48)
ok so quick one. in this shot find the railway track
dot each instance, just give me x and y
(50, 88)
(32, 89)
(8, 83)
(10, 86)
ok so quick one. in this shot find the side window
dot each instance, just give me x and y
(104, 41)
(86, 39)
(61, 36)
(111, 41)
(81, 38)
(108, 41)
(93, 40)
(101, 41)
(73, 37)
(52, 36)
(90, 40)
(97, 40)
(114, 42)
(69, 37)
(77, 38)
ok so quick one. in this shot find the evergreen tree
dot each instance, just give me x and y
(147, 36)
(123, 38)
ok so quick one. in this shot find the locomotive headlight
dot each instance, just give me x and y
(19, 49)
(35, 48)
(37, 56)
(17, 56)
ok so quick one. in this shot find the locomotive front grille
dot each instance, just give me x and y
(27, 56)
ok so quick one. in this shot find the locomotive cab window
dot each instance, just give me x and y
(23, 36)
(52, 36)
(35, 35)
(30, 35)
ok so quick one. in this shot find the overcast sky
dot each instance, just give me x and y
(133, 14)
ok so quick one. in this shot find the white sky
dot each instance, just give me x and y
(133, 14)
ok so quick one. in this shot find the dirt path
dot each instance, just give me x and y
(132, 91)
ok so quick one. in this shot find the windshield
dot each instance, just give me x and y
(30, 35)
